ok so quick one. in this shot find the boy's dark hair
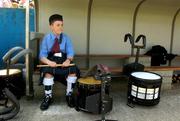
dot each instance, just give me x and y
(55, 17)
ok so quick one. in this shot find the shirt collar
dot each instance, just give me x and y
(54, 36)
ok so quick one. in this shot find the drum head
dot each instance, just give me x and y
(89, 81)
(146, 75)
(3, 72)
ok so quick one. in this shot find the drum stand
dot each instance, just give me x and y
(9, 111)
(104, 79)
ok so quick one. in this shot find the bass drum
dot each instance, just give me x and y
(144, 88)
(14, 82)
(89, 95)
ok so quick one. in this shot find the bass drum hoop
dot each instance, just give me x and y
(15, 81)
(89, 83)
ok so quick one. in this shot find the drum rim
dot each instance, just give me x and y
(83, 84)
(80, 82)
(146, 72)
(17, 71)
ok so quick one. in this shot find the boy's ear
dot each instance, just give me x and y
(51, 24)
(51, 27)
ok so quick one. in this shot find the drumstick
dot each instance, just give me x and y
(58, 65)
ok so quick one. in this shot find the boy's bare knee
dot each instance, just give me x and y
(48, 75)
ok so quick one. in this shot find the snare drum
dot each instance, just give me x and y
(13, 81)
(88, 96)
(144, 88)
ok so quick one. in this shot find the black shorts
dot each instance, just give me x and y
(63, 71)
(59, 73)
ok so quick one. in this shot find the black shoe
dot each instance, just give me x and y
(46, 102)
(70, 100)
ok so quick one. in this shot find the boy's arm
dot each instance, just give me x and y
(48, 62)
(69, 49)
(70, 52)
(44, 53)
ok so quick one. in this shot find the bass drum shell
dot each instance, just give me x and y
(144, 88)
(89, 95)
(14, 82)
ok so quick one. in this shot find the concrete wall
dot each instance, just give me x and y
(75, 19)
(155, 21)
(110, 21)
(176, 43)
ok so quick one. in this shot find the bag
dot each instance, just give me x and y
(158, 55)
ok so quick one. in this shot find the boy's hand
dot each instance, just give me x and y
(48, 62)
(66, 63)
(52, 64)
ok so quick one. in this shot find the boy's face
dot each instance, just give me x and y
(57, 27)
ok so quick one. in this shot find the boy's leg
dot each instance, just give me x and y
(48, 82)
(71, 74)
(71, 80)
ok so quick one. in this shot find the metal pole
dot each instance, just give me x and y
(172, 29)
(172, 32)
(36, 2)
(28, 76)
(134, 23)
(88, 33)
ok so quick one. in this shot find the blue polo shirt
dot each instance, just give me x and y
(48, 41)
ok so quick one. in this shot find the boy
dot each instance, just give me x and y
(56, 48)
